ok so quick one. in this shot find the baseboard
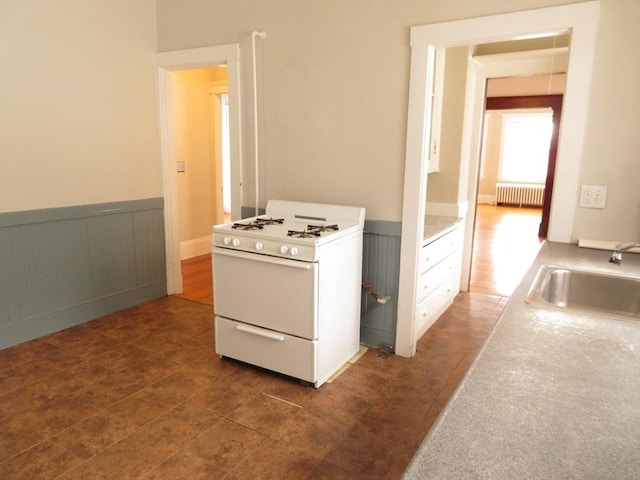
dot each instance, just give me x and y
(487, 199)
(67, 265)
(195, 247)
(54, 321)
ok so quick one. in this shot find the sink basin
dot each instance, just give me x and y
(586, 291)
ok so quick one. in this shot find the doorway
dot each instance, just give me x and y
(168, 63)
(198, 133)
(507, 238)
(581, 21)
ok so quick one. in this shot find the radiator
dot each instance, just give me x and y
(520, 194)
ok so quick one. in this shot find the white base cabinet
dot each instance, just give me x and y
(439, 277)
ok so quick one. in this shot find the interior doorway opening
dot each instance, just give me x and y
(512, 218)
(199, 137)
(186, 60)
(580, 20)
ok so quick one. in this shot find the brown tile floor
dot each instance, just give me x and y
(141, 394)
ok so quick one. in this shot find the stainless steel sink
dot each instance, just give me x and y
(586, 291)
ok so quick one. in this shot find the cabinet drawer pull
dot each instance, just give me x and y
(260, 333)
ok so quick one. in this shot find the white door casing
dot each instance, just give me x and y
(167, 62)
(581, 20)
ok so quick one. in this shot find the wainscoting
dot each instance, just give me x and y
(380, 269)
(63, 266)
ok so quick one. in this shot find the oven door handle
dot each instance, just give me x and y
(260, 333)
(263, 258)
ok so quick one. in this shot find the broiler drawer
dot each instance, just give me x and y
(265, 348)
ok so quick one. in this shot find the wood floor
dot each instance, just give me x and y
(505, 243)
(197, 279)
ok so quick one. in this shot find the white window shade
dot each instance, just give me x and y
(525, 147)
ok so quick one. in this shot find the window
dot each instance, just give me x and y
(526, 138)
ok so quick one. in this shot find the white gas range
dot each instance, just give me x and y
(287, 288)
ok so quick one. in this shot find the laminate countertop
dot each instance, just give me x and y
(435, 225)
(552, 394)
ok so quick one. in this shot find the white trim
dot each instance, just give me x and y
(581, 20)
(198, 57)
(228, 55)
(169, 183)
(486, 199)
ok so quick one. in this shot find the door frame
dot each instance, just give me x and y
(581, 19)
(167, 62)
(537, 101)
(216, 90)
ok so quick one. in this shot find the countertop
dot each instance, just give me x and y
(551, 395)
(435, 225)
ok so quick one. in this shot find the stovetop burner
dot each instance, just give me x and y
(257, 223)
(312, 231)
(322, 228)
(247, 226)
(303, 233)
(269, 221)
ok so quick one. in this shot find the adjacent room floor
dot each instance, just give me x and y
(505, 243)
(142, 394)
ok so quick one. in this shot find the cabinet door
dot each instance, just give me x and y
(435, 90)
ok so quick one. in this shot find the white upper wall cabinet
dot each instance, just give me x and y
(433, 110)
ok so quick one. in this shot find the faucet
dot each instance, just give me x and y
(616, 257)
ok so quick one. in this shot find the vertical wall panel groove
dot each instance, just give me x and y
(380, 268)
(64, 266)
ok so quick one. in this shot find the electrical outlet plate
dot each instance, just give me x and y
(181, 167)
(593, 196)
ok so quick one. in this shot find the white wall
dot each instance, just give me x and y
(78, 107)
(612, 156)
(333, 80)
(333, 88)
(194, 143)
(78, 114)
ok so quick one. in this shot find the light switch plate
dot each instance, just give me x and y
(593, 196)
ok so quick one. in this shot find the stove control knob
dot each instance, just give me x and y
(235, 242)
(226, 241)
(284, 249)
(294, 251)
(259, 246)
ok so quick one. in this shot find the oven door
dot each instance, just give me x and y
(269, 292)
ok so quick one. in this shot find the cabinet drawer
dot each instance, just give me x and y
(435, 251)
(432, 306)
(265, 348)
(435, 276)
